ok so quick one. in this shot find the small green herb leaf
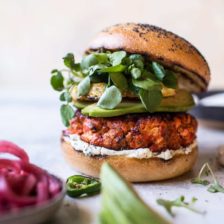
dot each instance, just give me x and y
(62, 97)
(65, 96)
(170, 80)
(117, 57)
(110, 98)
(116, 68)
(67, 113)
(119, 80)
(57, 80)
(135, 57)
(94, 69)
(102, 58)
(150, 98)
(137, 60)
(69, 61)
(84, 86)
(198, 180)
(179, 202)
(88, 61)
(158, 70)
(216, 187)
(204, 169)
(136, 73)
(146, 84)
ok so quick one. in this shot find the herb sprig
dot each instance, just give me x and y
(215, 186)
(179, 202)
(121, 71)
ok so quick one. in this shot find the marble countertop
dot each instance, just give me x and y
(32, 120)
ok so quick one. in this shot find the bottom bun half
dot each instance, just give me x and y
(132, 169)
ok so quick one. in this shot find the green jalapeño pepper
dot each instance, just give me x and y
(79, 185)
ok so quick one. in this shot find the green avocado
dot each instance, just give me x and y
(180, 102)
(81, 104)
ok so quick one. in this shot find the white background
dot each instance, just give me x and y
(36, 34)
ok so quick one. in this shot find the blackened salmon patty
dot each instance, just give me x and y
(158, 131)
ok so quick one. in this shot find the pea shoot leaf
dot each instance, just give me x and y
(179, 202)
(66, 96)
(57, 80)
(95, 69)
(146, 84)
(216, 187)
(69, 61)
(84, 86)
(135, 57)
(117, 57)
(150, 98)
(110, 98)
(67, 113)
(88, 61)
(119, 80)
(136, 73)
(170, 80)
(159, 71)
(102, 58)
(116, 68)
(200, 181)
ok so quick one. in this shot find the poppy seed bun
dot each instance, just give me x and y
(159, 45)
(134, 170)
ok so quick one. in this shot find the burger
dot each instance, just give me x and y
(126, 103)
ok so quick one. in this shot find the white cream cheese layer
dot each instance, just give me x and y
(141, 153)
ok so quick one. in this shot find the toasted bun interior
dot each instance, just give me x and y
(160, 45)
(134, 170)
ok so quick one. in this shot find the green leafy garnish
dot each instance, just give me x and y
(215, 186)
(69, 60)
(170, 80)
(84, 86)
(110, 98)
(96, 70)
(147, 84)
(179, 202)
(136, 73)
(66, 96)
(57, 80)
(102, 58)
(150, 98)
(131, 72)
(88, 61)
(119, 80)
(137, 61)
(67, 113)
(200, 181)
(117, 57)
(116, 68)
(159, 71)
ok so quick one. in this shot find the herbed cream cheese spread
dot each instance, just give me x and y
(140, 153)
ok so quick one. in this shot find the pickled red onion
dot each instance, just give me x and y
(22, 183)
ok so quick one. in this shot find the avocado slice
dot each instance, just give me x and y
(81, 104)
(181, 102)
(121, 203)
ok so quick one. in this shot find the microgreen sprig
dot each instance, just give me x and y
(179, 202)
(215, 186)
